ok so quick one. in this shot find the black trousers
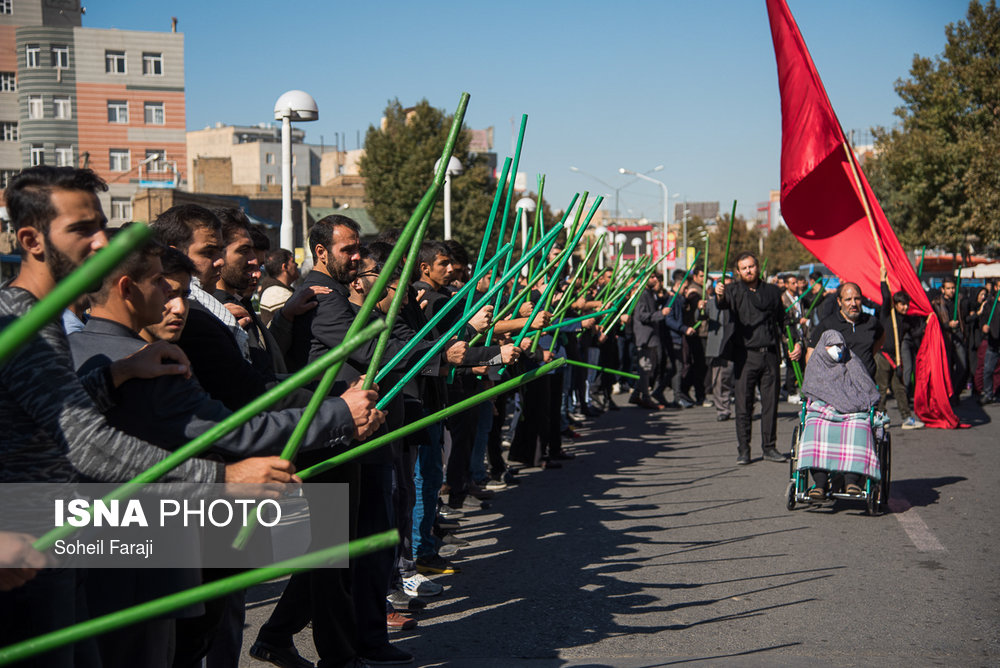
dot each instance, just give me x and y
(534, 421)
(494, 446)
(694, 368)
(753, 369)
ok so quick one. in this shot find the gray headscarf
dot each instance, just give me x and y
(845, 385)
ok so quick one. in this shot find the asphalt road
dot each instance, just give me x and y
(652, 548)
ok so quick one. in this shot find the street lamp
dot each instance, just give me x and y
(454, 169)
(294, 105)
(666, 200)
(636, 242)
(620, 241)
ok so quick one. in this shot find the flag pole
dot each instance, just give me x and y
(729, 238)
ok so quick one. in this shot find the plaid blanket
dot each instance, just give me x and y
(834, 441)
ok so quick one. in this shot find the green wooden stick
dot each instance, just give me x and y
(704, 280)
(694, 263)
(632, 301)
(920, 269)
(763, 267)
(815, 300)
(161, 606)
(499, 294)
(958, 291)
(729, 238)
(601, 368)
(629, 280)
(431, 419)
(489, 224)
(412, 235)
(573, 321)
(510, 185)
(83, 279)
(795, 363)
(542, 271)
(563, 258)
(993, 308)
(538, 229)
(485, 299)
(204, 441)
(455, 299)
(564, 301)
(789, 307)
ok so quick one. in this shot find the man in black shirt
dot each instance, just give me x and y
(757, 315)
(862, 332)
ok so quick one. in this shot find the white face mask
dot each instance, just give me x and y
(836, 353)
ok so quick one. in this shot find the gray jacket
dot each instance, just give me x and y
(171, 410)
(720, 330)
(646, 323)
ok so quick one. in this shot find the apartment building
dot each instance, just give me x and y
(110, 100)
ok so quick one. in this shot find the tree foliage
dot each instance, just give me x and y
(937, 175)
(398, 167)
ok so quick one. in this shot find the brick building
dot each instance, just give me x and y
(111, 100)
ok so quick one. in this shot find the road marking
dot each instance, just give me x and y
(919, 533)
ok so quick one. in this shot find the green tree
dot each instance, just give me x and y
(784, 252)
(398, 168)
(937, 174)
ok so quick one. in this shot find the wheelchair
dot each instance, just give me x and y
(875, 493)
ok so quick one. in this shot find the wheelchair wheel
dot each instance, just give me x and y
(790, 496)
(886, 464)
(793, 451)
(874, 494)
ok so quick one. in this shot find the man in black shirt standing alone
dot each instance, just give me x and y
(757, 316)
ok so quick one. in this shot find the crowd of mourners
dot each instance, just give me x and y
(209, 316)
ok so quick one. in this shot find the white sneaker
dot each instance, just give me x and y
(420, 585)
(794, 399)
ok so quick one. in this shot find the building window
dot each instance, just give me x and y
(6, 175)
(152, 64)
(121, 208)
(64, 156)
(117, 111)
(269, 158)
(8, 131)
(36, 108)
(60, 56)
(8, 82)
(269, 179)
(33, 54)
(37, 156)
(6, 7)
(114, 62)
(63, 107)
(157, 160)
(119, 160)
(154, 113)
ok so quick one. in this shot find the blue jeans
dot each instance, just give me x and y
(484, 422)
(989, 366)
(428, 476)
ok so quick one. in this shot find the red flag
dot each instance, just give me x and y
(824, 195)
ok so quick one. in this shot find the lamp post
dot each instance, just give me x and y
(636, 242)
(599, 233)
(525, 205)
(454, 169)
(294, 105)
(666, 200)
(620, 242)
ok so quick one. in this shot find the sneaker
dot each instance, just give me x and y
(912, 423)
(436, 565)
(395, 621)
(400, 600)
(743, 460)
(285, 657)
(708, 403)
(452, 539)
(448, 550)
(794, 399)
(448, 512)
(419, 585)
(684, 402)
(496, 485)
(387, 656)
(479, 493)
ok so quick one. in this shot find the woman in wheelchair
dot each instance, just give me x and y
(837, 435)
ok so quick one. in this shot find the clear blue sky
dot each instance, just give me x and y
(690, 85)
